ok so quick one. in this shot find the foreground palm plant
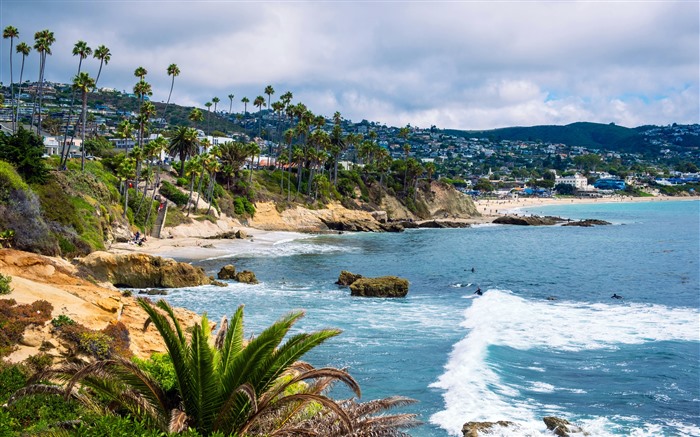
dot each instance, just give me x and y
(258, 388)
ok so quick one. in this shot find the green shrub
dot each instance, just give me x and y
(15, 318)
(95, 344)
(160, 367)
(62, 320)
(5, 287)
(172, 193)
(114, 426)
(12, 378)
(39, 362)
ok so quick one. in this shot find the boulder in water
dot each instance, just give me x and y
(476, 429)
(346, 278)
(383, 286)
(247, 277)
(562, 427)
(227, 272)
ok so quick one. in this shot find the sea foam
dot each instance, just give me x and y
(474, 391)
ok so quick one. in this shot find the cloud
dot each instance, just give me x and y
(466, 65)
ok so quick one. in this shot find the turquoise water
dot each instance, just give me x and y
(544, 339)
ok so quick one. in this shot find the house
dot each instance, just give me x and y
(577, 181)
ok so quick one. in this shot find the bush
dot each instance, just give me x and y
(5, 287)
(172, 193)
(15, 318)
(160, 367)
(39, 362)
(62, 320)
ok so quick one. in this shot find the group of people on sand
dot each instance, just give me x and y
(138, 239)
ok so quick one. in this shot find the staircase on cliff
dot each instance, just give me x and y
(160, 220)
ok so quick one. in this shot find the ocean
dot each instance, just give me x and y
(545, 338)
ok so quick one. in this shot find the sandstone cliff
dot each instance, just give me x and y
(36, 277)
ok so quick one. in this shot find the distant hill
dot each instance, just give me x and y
(643, 139)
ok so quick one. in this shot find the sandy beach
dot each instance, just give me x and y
(192, 241)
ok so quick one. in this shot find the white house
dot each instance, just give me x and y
(577, 181)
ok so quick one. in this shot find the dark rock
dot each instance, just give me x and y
(218, 283)
(587, 223)
(561, 427)
(154, 292)
(442, 224)
(227, 272)
(240, 234)
(410, 224)
(473, 429)
(392, 227)
(230, 235)
(247, 277)
(532, 220)
(383, 286)
(346, 278)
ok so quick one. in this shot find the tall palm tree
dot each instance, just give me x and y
(208, 105)
(215, 101)
(245, 102)
(125, 131)
(173, 71)
(230, 104)
(259, 102)
(12, 33)
(195, 116)
(126, 171)
(184, 143)
(140, 72)
(43, 40)
(81, 50)
(83, 83)
(142, 89)
(269, 91)
(253, 151)
(24, 49)
(155, 149)
(103, 54)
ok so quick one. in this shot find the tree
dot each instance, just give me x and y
(230, 105)
(208, 105)
(11, 32)
(83, 83)
(215, 101)
(484, 185)
(430, 169)
(24, 49)
(103, 54)
(253, 151)
(245, 102)
(233, 155)
(173, 71)
(24, 149)
(565, 189)
(269, 91)
(259, 102)
(81, 50)
(43, 40)
(195, 116)
(125, 131)
(183, 143)
(140, 72)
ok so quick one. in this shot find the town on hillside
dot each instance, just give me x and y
(586, 159)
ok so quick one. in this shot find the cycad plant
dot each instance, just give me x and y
(225, 386)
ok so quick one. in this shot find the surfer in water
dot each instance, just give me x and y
(615, 296)
(478, 291)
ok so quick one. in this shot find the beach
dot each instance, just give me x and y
(195, 240)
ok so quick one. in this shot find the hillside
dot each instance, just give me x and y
(609, 137)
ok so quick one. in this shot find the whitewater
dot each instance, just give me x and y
(544, 339)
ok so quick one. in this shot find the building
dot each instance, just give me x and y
(577, 181)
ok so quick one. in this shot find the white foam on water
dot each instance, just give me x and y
(474, 392)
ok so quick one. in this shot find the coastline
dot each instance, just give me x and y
(193, 241)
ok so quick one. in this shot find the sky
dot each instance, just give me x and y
(468, 65)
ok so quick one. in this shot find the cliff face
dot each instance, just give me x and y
(36, 277)
(436, 200)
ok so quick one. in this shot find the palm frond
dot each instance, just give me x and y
(178, 421)
(221, 334)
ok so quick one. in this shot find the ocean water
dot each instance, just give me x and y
(544, 339)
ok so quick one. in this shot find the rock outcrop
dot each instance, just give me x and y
(138, 270)
(346, 278)
(562, 427)
(247, 277)
(227, 272)
(473, 429)
(532, 220)
(587, 223)
(383, 286)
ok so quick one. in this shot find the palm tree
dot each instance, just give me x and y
(208, 105)
(430, 169)
(140, 72)
(215, 101)
(126, 171)
(43, 40)
(259, 102)
(102, 53)
(83, 83)
(184, 143)
(12, 33)
(230, 105)
(155, 149)
(24, 49)
(269, 91)
(245, 102)
(142, 89)
(82, 50)
(125, 131)
(173, 71)
(193, 168)
(253, 151)
(195, 116)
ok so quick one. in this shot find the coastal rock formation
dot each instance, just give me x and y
(139, 270)
(562, 427)
(473, 429)
(346, 278)
(532, 220)
(440, 224)
(587, 223)
(383, 286)
(36, 277)
(247, 277)
(227, 272)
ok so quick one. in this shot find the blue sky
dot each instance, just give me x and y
(462, 65)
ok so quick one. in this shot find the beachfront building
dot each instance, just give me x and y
(577, 181)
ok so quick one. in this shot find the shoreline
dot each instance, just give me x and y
(191, 242)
